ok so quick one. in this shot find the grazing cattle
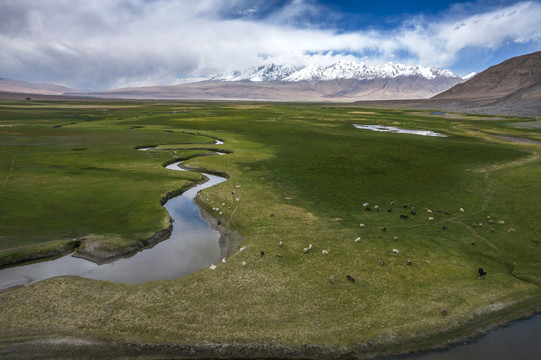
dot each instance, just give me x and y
(262, 253)
(367, 208)
(279, 255)
(501, 222)
(395, 251)
(377, 208)
(271, 215)
(390, 210)
(382, 262)
(405, 206)
(392, 202)
(404, 216)
(490, 222)
(480, 224)
(362, 225)
(395, 238)
(365, 204)
(474, 225)
(482, 272)
(413, 212)
(409, 263)
(444, 227)
(535, 240)
(511, 230)
(447, 213)
(492, 230)
(429, 211)
(440, 210)
(444, 312)
(473, 243)
(383, 228)
(305, 250)
(332, 279)
(350, 278)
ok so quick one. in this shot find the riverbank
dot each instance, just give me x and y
(29, 345)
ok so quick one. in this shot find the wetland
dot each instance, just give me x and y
(298, 175)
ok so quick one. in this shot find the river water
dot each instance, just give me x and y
(193, 245)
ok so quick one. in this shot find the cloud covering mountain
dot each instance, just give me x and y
(106, 44)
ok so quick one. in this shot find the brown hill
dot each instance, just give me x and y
(510, 76)
(404, 87)
(512, 87)
(23, 87)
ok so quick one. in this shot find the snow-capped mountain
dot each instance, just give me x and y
(339, 70)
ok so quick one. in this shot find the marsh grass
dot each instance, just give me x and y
(300, 173)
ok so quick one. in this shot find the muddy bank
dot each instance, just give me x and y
(93, 250)
(229, 240)
(39, 254)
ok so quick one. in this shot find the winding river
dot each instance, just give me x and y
(193, 245)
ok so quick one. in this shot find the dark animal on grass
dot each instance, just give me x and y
(383, 229)
(482, 273)
(390, 210)
(413, 212)
(350, 278)
(262, 253)
(332, 279)
(404, 216)
(444, 227)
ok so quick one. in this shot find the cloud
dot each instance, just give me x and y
(104, 44)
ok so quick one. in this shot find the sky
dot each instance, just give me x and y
(108, 44)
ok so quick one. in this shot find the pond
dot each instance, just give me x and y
(393, 129)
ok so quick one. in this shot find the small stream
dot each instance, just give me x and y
(193, 245)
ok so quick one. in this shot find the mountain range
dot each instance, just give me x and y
(512, 87)
(340, 70)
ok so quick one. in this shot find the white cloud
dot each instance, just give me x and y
(105, 43)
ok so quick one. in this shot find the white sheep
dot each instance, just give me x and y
(362, 226)
(242, 248)
(244, 263)
(310, 247)
(280, 243)
(365, 204)
(430, 218)
(325, 252)
(395, 251)
(223, 260)
(358, 239)
(212, 267)
(461, 210)
(511, 230)
(429, 211)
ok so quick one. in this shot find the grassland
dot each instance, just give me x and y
(301, 173)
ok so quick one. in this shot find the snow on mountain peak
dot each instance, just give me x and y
(343, 69)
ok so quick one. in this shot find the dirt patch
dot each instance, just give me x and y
(528, 125)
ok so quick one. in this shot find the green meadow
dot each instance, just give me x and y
(301, 174)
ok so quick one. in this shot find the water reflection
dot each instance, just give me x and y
(193, 245)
